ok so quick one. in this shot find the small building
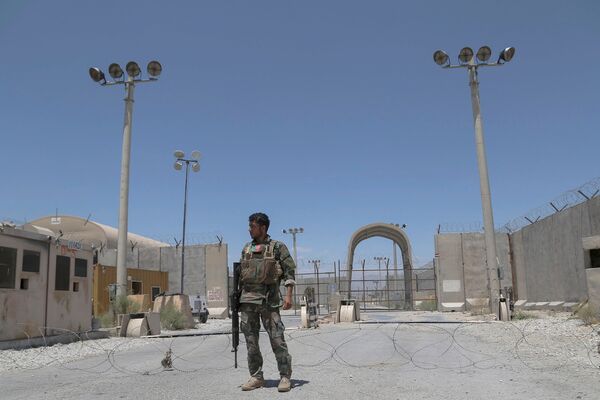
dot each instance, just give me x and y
(139, 282)
(205, 264)
(45, 283)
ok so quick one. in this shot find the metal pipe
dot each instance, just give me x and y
(124, 192)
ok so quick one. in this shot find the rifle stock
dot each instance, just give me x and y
(235, 308)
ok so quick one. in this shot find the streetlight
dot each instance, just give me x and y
(294, 232)
(379, 259)
(467, 60)
(180, 160)
(395, 257)
(316, 264)
(133, 72)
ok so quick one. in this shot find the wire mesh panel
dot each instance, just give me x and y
(386, 289)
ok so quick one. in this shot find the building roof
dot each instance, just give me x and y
(90, 232)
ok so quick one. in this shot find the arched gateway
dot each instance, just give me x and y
(388, 231)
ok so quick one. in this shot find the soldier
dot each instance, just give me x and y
(265, 264)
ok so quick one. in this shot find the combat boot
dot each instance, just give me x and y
(253, 383)
(284, 384)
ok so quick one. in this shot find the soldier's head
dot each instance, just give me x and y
(258, 225)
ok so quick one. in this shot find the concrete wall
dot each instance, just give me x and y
(549, 256)
(216, 276)
(29, 312)
(205, 268)
(547, 259)
(460, 266)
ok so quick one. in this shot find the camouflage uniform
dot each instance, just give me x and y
(262, 302)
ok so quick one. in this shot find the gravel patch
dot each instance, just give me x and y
(60, 354)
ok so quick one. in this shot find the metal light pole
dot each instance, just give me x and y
(467, 61)
(316, 264)
(395, 257)
(379, 259)
(294, 232)
(180, 156)
(133, 72)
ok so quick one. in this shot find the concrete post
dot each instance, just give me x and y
(124, 192)
(486, 200)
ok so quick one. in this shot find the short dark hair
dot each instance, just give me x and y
(260, 219)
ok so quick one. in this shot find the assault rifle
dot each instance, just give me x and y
(235, 308)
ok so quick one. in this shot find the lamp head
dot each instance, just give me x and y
(506, 55)
(133, 69)
(441, 58)
(466, 55)
(484, 53)
(154, 69)
(115, 71)
(97, 75)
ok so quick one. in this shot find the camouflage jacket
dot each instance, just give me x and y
(269, 294)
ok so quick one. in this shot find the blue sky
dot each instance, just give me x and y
(324, 114)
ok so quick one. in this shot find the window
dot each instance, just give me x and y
(136, 287)
(81, 267)
(63, 273)
(76, 286)
(24, 284)
(112, 292)
(155, 292)
(31, 261)
(595, 258)
(8, 265)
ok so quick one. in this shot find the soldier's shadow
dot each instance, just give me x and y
(272, 383)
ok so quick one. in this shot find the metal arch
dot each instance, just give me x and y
(388, 231)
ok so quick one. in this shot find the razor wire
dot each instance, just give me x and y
(568, 199)
(460, 345)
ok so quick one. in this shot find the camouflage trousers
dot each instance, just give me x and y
(251, 315)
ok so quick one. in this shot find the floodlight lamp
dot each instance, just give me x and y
(179, 154)
(133, 69)
(154, 69)
(115, 71)
(178, 165)
(465, 55)
(507, 54)
(196, 167)
(283, 231)
(301, 230)
(484, 53)
(441, 58)
(196, 155)
(97, 75)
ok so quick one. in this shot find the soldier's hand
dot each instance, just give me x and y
(287, 302)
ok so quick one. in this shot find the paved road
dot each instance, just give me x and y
(342, 361)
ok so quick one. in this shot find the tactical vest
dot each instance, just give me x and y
(259, 265)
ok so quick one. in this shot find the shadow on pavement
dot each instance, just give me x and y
(272, 383)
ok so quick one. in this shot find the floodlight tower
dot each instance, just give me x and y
(133, 77)
(294, 232)
(466, 60)
(195, 161)
(316, 264)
